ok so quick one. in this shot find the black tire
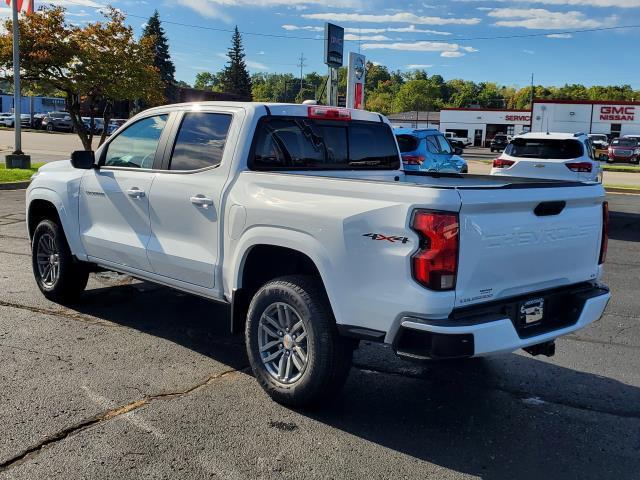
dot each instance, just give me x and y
(328, 355)
(72, 276)
(49, 127)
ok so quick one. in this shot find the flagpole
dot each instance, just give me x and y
(17, 97)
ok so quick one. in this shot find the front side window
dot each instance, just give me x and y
(136, 146)
(445, 146)
(200, 141)
(295, 143)
(544, 148)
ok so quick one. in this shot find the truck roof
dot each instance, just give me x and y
(551, 135)
(283, 109)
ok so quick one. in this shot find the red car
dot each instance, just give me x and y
(624, 150)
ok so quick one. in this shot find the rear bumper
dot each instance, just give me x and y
(486, 331)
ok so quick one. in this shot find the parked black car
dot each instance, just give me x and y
(499, 142)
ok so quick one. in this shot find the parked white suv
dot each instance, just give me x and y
(560, 156)
(301, 219)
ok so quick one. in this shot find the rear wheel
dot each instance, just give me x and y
(60, 277)
(294, 348)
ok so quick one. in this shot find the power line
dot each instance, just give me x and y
(319, 38)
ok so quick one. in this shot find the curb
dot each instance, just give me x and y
(632, 190)
(14, 185)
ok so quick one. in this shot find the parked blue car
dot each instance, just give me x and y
(428, 150)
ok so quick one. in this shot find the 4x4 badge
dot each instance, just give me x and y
(388, 238)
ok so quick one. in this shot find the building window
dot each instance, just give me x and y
(511, 129)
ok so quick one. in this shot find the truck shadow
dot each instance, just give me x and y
(511, 416)
(624, 226)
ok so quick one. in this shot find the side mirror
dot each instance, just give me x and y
(84, 159)
(458, 151)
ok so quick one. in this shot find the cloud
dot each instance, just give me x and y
(529, 52)
(559, 35)
(291, 28)
(418, 66)
(450, 50)
(402, 17)
(371, 38)
(569, 3)
(256, 65)
(542, 19)
(211, 8)
(360, 31)
(75, 3)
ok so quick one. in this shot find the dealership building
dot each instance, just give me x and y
(481, 125)
(611, 118)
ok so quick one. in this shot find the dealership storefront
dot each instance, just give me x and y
(481, 125)
(611, 118)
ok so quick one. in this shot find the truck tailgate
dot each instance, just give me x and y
(519, 240)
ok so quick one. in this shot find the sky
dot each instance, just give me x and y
(446, 38)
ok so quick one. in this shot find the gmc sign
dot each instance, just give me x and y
(621, 113)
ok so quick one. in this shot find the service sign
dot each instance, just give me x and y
(617, 113)
(518, 118)
(333, 45)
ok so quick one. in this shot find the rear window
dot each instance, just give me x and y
(298, 143)
(407, 143)
(544, 148)
(624, 142)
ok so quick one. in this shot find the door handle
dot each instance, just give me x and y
(135, 192)
(201, 201)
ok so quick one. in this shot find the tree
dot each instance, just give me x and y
(416, 95)
(235, 77)
(205, 81)
(92, 66)
(161, 58)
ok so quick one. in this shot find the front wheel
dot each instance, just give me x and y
(60, 277)
(294, 348)
(49, 127)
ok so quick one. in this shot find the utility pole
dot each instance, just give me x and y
(301, 64)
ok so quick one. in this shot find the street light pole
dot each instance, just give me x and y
(17, 159)
(16, 79)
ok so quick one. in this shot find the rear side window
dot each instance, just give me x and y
(298, 143)
(544, 148)
(407, 143)
(200, 141)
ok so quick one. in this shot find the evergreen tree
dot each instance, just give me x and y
(162, 58)
(235, 77)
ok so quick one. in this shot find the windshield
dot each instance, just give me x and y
(408, 143)
(598, 138)
(624, 142)
(544, 148)
(300, 143)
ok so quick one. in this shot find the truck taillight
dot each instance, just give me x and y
(579, 166)
(502, 163)
(328, 113)
(604, 243)
(435, 264)
(412, 159)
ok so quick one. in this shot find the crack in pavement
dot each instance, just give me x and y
(63, 314)
(15, 253)
(517, 394)
(33, 451)
(575, 338)
(28, 350)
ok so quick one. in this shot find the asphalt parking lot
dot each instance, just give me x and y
(138, 381)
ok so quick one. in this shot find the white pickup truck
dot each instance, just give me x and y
(301, 219)
(461, 141)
